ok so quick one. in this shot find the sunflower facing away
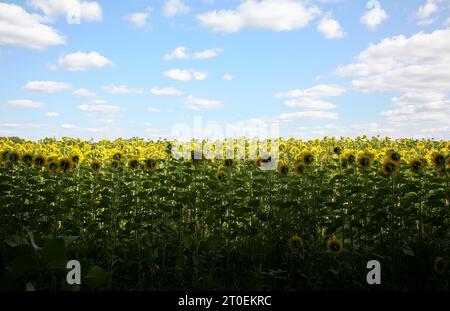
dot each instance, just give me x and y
(334, 246)
(295, 243)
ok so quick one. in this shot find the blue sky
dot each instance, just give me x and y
(108, 69)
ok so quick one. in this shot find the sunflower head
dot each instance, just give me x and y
(117, 156)
(365, 160)
(337, 150)
(394, 155)
(65, 165)
(4, 155)
(27, 158)
(13, 156)
(417, 165)
(96, 165)
(133, 163)
(389, 167)
(295, 243)
(75, 159)
(334, 246)
(438, 160)
(300, 168)
(150, 164)
(307, 158)
(52, 166)
(439, 265)
(283, 169)
(221, 175)
(349, 157)
(39, 160)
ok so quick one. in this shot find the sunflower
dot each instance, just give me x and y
(438, 160)
(295, 243)
(150, 164)
(283, 169)
(4, 155)
(133, 163)
(307, 158)
(349, 157)
(389, 167)
(394, 155)
(365, 160)
(75, 159)
(52, 165)
(439, 265)
(337, 150)
(65, 165)
(334, 246)
(299, 168)
(228, 162)
(221, 175)
(39, 160)
(417, 165)
(13, 156)
(27, 159)
(194, 226)
(96, 165)
(117, 156)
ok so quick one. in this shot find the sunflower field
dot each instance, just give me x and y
(138, 219)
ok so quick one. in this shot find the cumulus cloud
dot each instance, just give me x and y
(75, 11)
(81, 61)
(185, 75)
(228, 77)
(52, 114)
(425, 12)
(330, 28)
(182, 53)
(153, 109)
(101, 108)
(46, 86)
(175, 7)
(374, 17)
(277, 15)
(20, 28)
(308, 115)
(310, 99)
(139, 19)
(194, 103)
(24, 104)
(121, 89)
(84, 93)
(166, 91)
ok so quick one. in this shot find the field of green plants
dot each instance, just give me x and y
(136, 219)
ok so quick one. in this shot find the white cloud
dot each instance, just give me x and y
(197, 103)
(166, 91)
(374, 17)
(400, 64)
(318, 91)
(84, 93)
(277, 15)
(139, 19)
(228, 77)
(52, 114)
(179, 53)
(330, 28)
(81, 61)
(68, 126)
(309, 103)
(19, 28)
(206, 54)
(153, 109)
(447, 22)
(22, 125)
(75, 11)
(425, 12)
(182, 53)
(24, 104)
(121, 89)
(46, 86)
(185, 75)
(308, 115)
(175, 7)
(102, 108)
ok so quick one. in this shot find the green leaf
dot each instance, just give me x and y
(55, 249)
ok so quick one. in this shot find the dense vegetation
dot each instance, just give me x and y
(137, 219)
